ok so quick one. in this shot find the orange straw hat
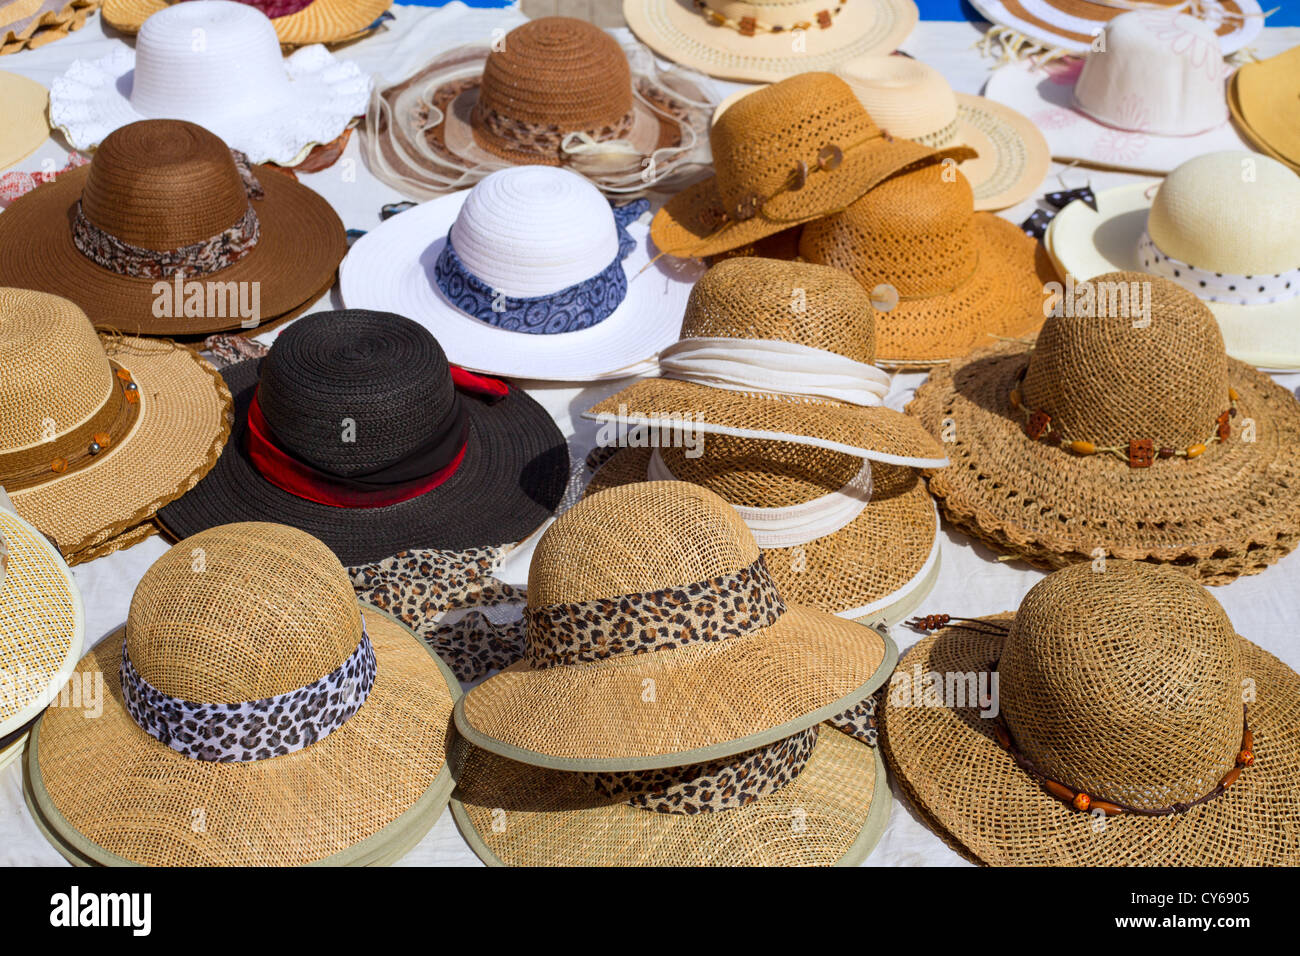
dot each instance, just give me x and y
(297, 22)
(28, 24)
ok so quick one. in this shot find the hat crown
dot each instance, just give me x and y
(756, 473)
(354, 391)
(163, 184)
(1124, 684)
(1107, 380)
(904, 96)
(242, 612)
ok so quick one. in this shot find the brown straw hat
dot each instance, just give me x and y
(97, 434)
(764, 345)
(944, 278)
(1128, 725)
(189, 243)
(1151, 443)
(297, 22)
(171, 774)
(655, 637)
(794, 151)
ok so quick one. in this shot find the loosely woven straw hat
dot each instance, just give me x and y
(158, 198)
(656, 638)
(1263, 99)
(1124, 688)
(22, 117)
(96, 434)
(338, 749)
(28, 24)
(944, 278)
(297, 22)
(363, 438)
(1152, 444)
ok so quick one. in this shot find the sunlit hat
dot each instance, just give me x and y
(22, 117)
(297, 22)
(1264, 99)
(28, 24)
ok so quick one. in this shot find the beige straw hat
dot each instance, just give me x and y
(1130, 726)
(23, 127)
(28, 24)
(297, 22)
(97, 433)
(1151, 444)
(254, 714)
(1264, 99)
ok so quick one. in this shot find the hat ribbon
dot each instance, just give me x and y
(1212, 286)
(257, 729)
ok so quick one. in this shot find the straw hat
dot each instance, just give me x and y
(363, 436)
(656, 638)
(236, 84)
(528, 274)
(22, 118)
(1225, 226)
(162, 197)
(28, 24)
(1127, 687)
(96, 434)
(944, 278)
(768, 40)
(254, 714)
(1263, 98)
(297, 22)
(794, 151)
(1151, 443)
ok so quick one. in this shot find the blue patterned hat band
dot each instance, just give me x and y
(575, 307)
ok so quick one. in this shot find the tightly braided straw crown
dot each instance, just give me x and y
(1126, 684)
(772, 300)
(960, 277)
(1231, 509)
(241, 613)
(30, 24)
(297, 22)
(23, 127)
(1262, 98)
(667, 706)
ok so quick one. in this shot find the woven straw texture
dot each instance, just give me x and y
(270, 610)
(1262, 98)
(1233, 510)
(321, 21)
(39, 22)
(23, 127)
(1128, 684)
(1053, 23)
(709, 699)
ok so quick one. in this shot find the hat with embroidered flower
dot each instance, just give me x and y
(296, 22)
(22, 117)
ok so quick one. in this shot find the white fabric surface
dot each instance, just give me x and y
(1265, 608)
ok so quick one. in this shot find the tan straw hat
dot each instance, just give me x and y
(1264, 99)
(96, 435)
(23, 127)
(944, 278)
(254, 714)
(28, 24)
(1125, 431)
(1126, 723)
(297, 22)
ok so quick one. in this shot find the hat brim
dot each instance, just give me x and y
(1013, 157)
(115, 795)
(37, 29)
(553, 818)
(322, 21)
(22, 117)
(1259, 97)
(950, 765)
(1053, 508)
(511, 480)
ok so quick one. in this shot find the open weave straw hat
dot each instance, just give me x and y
(1264, 100)
(297, 22)
(96, 434)
(1124, 689)
(943, 278)
(254, 714)
(1151, 443)
(656, 638)
(768, 40)
(28, 24)
(1225, 226)
(161, 198)
(22, 118)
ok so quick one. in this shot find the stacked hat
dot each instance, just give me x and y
(28, 24)
(1264, 99)
(1120, 721)
(253, 714)
(669, 708)
(297, 22)
(1125, 431)
(22, 118)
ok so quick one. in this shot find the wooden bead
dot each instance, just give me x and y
(59, 466)
(124, 375)
(824, 19)
(132, 397)
(1082, 447)
(1140, 453)
(1167, 452)
(1245, 758)
(1231, 778)
(1038, 423)
(747, 25)
(1059, 791)
(1232, 393)
(1107, 808)
(1081, 802)
(103, 439)
(1004, 738)
(829, 157)
(1248, 740)
(1225, 427)
(1195, 450)
(1015, 398)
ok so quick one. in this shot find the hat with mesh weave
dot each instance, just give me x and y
(1125, 431)
(22, 117)
(297, 22)
(1128, 725)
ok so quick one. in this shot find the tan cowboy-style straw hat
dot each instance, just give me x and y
(28, 24)
(297, 22)
(1264, 100)
(22, 117)
(1129, 725)
(97, 433)
(1124, 431)
(254, 714)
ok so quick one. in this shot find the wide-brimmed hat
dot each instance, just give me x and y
(788, 153)
(28, 24)
(943, 278)
(297, 22)
(557, 92)
(530, 274)
(655, 637)
(22, 117)
(781, 351)
(1225, 226)
(768, 40)
(1264, 100)
(355, 429)
(254, 713)
(166, 233)
(272, 109)
(96, 434)
(1116, 719)
(1126, 431)
(1144, 102)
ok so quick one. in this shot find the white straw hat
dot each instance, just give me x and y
(218, 64)
(529, 274)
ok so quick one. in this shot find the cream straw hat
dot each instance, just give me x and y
(22, 118)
